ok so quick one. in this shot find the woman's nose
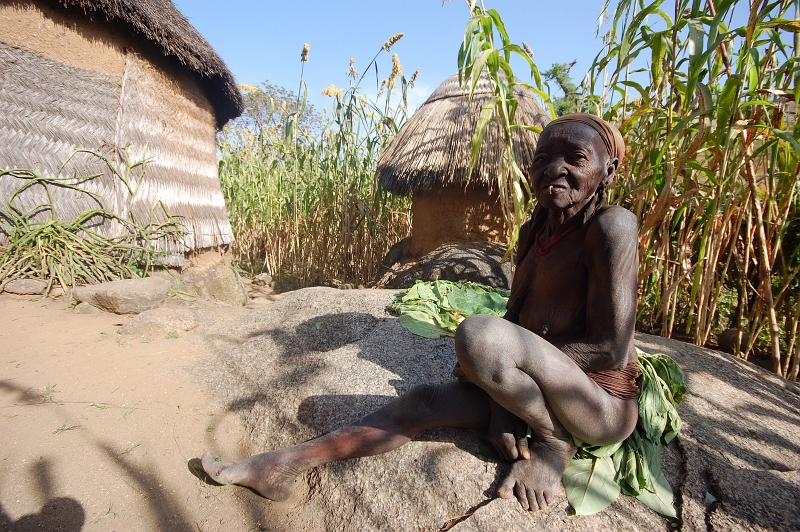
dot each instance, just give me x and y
(555, 168)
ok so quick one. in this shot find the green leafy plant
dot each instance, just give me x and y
(597, 474)
(706, 110)
(71, 252)
(488, 48)
(712, 163)
(434, 309)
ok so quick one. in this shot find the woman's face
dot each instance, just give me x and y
(570, 162)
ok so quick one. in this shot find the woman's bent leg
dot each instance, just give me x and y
(272, 474)
(535, 381)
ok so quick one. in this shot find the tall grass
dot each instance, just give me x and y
(306, 208)
(707, 111)
(712, 165)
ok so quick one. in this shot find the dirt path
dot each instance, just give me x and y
(96, 428)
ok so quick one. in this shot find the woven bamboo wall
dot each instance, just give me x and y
(177, 126)
(48, 109)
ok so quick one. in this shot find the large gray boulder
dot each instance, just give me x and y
(320, 358)
(477, 262)
(128, 296)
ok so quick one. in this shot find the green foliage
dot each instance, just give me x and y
(712, 163)
(306, 207)
(435, 308)
(268, 108)
(487, 47)
(635, 464)
(708, 113)
(589, 483)
(71, 252)
(568, 103)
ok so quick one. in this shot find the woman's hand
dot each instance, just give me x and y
(508, 434)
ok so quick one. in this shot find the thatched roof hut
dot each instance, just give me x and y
(106, 74)
(430, 156)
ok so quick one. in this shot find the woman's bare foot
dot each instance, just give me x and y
(268, 474)
(534, 482)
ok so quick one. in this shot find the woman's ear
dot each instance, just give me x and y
(611, 171)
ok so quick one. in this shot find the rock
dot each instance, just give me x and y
(739, 442)
(320, 358)
(85, 308)
(726, 340)
(218, 282)
(26, 287)
(128, 296)
(163, 320)
(479, 262)
(263, 279)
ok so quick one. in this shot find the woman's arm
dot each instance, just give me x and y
(612, 258)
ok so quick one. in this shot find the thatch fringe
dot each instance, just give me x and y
(159, 22)
(433, 147)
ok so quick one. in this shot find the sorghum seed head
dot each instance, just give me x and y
(527, 49)
(304, 53)
(413, 78)
(393, 39)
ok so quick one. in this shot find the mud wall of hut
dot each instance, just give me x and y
(67, 83)
(445, 214)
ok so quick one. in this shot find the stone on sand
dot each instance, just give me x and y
(477, 262)
(26, 287)
(163, 320)
(128, 296)
(216, 282)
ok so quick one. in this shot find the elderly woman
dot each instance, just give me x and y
(560, 364)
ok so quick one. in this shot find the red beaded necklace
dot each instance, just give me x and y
(543, 250)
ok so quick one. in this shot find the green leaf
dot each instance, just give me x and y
(487, 112)
(421, 324)
(662, 499)
(590, 485)
(602, 451)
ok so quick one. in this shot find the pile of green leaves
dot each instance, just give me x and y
(435, 308)
(597, 474)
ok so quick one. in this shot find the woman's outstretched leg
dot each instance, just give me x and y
(272, 474)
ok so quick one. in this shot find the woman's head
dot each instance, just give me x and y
(575, 155)
(609, 134)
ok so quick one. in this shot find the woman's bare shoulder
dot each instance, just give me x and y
(614, 222)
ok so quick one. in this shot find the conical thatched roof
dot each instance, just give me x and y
(159, 22)
(433, 147)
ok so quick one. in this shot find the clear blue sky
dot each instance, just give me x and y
(262, 39)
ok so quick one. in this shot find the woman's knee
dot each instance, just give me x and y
(417, 405)
(478, 343)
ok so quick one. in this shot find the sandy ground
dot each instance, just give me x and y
(97, 429)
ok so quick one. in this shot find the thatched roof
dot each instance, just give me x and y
(159, 22)
(433, 147)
